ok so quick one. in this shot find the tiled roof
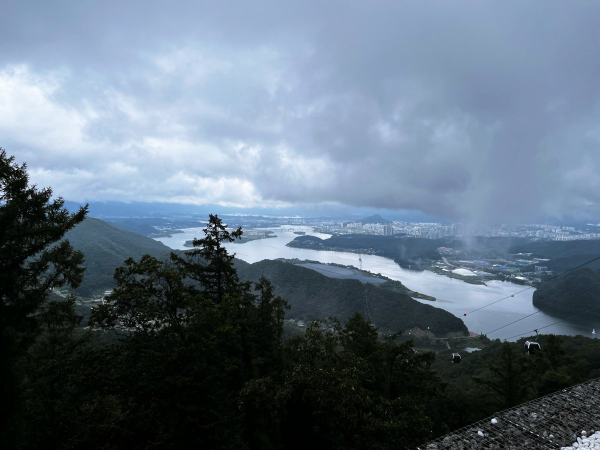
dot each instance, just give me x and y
(548, 422)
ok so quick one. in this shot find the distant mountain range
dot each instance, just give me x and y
(168, 210)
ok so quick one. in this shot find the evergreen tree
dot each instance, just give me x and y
(196, 337)
(510, 378)
(33, 261)
(209, 263)
(151, 295)
(330, 391)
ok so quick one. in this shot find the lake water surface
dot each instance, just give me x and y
(452, 295)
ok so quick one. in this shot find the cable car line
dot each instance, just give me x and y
(539, 311)
(531, 287)
(554, 323)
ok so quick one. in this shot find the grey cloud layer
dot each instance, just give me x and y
(481, 111)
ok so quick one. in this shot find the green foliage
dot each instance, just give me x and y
(54, 383)
(30, 264)
(559, 295)
(209, 263)
(558, 249)
(405, 251)
(33, 261)
(344, 389)
(105, 248)
(197, 336)
(397, 286)
(509, 376)
(151, 294)
(554, 380)
(312, 295)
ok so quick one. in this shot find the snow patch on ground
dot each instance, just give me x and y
(585, 441)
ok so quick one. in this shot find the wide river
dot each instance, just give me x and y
(452, 295)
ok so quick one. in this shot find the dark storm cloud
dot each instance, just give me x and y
(480, 111)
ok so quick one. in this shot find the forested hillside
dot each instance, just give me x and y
(312, 295)
(558, 249)
(405, 251)
(412, 251)
(105, 248)
(576, 292)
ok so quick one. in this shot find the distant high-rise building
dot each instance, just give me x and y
(460, 229)
(354, 225)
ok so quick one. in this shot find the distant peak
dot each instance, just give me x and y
(376, 218)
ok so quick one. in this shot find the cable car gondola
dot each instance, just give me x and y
(531, 347)
(456, 358)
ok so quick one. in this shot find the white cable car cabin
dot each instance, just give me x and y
(532, 347)
(456, 358)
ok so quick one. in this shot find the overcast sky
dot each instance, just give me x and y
(471, 110)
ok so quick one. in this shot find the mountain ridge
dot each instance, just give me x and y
(105, 248)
